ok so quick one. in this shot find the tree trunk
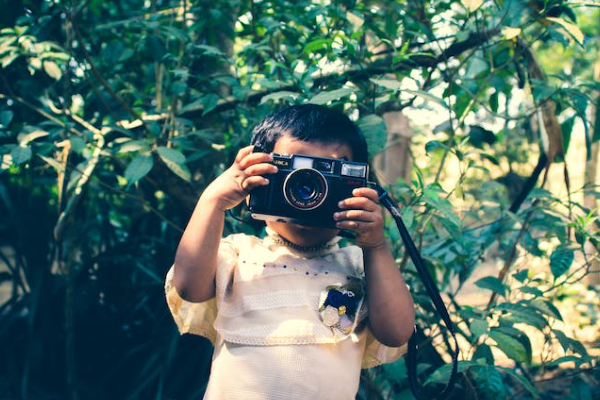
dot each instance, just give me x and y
(395, 161)
(591, 179)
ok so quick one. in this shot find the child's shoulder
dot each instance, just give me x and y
(241, 239)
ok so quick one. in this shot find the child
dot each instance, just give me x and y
(292, 315)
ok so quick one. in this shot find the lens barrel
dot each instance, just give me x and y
(305, 189)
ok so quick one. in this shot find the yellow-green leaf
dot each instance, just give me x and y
(571, 29)
(53, 70)
(472, 5)
(510, 33)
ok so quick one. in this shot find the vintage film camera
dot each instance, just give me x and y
(306, 190)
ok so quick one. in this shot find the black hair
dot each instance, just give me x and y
(310, 123)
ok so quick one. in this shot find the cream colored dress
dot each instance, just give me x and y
(285, 324)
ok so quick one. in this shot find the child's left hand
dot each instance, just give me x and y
(363, 215)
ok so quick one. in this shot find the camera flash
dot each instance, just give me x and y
(357, 171)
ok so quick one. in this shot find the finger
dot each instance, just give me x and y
(254, 181)
(361, 203)
(356, 215)
(356, 226)
(243, 152)
(367, 192)
(255, 158)
(260, 169)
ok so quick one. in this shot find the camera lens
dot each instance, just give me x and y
(305, 189)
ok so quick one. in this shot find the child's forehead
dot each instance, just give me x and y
(334, 149)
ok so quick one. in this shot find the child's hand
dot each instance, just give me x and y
(363, 215)
(233, 185)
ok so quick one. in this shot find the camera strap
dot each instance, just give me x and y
(434, 294)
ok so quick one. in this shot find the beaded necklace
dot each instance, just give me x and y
(305, 249)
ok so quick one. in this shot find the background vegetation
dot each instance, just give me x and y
(115, 115)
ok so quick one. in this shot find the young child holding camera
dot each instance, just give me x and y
(292, 315)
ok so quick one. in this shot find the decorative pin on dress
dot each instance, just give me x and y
(339, 306)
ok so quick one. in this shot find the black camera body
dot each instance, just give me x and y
(306, 190)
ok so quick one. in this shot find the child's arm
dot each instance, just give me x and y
(196, 256)
(391, 308)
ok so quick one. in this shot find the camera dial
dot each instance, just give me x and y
(305, 189)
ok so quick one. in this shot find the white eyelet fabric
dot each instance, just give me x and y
(270, 341)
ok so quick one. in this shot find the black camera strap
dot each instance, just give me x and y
(434, 294)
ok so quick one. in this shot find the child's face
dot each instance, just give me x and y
(299, 234)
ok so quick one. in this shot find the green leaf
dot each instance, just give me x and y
(577, 360)
(329, 96)
(6, 117)
(168, 153)
(561, 261)
(20, 154)
(428, 97)
(492, 283)
(521, 275)
(567, 128)
(138, 168)
(53, 163)
(488, 382)
(133, 145)
(509, 346)
(522, 380)
(479, 327)
(494, 101)
(408, 216)
(572, 29)
(442, 374)
(77, 144)
(478, 136)
(52, 69)
(580, 390)
(433, 145)
(483, 353)
(392, 84)
(546, 308)
(375, 131)
(156, 47)
(175, 161)
(531, 290)
(395, 371)
(432, 198)
(522, 314)
(316, 45)
(210, 50)
(281, 95)
(569, 344)
(596, 134)
(209, 103)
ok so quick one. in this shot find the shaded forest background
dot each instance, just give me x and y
(480, 117)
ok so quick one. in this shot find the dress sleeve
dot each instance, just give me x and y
(376, 353)
(199, 318)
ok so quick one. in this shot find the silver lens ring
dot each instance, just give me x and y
(305, 189)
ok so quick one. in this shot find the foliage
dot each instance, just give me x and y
(113, 115)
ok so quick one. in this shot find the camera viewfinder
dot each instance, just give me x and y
(323, 165)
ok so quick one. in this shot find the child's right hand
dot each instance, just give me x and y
(233, 185)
